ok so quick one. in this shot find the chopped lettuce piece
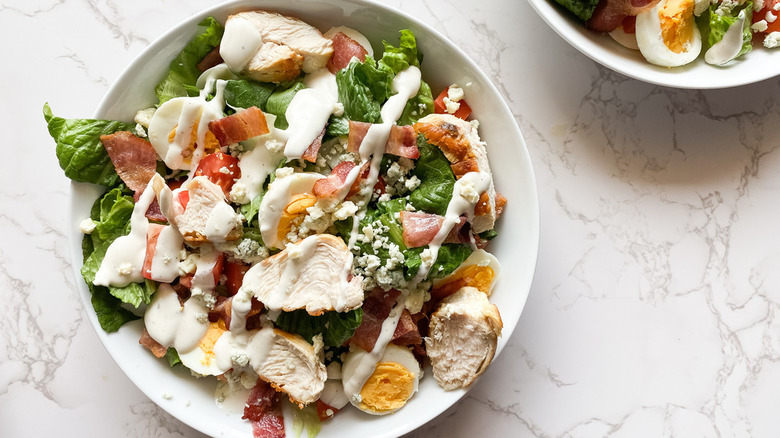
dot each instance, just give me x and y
(279, 100)
(362, 89)
(79, 150)
(437, 180)
(716, 21)
(450, 256)
(335, 327)
(184, 68)
(418, 107)
(246, 94)
(110, 313)
(401, 57)
(583, 9)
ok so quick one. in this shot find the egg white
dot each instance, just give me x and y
(651, 43)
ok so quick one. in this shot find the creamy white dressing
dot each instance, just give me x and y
(309, 111)
(729, 46)
(221, 221)
(175, 325)
(279, 194)
(260, 160)
(203, 279)
(165, 263)
(125, 256)
(240, 43)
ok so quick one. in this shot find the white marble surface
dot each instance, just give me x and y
(653, 311)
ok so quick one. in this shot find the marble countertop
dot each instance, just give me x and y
(654, 306)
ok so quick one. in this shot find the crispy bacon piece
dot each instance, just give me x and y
(402, 141)
(223, 309)
(344, 49)
(419, 229)
(264, 409)
(406, 332)
(240, 126)
(325, 411)
(212, 59)
(609, 14)
(337, 180)
(376, 308)
(155, 347)
(310, 154)
(134, 158)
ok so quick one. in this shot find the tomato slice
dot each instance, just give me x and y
(218, 265)
(221, 169)
(234, 271)
(464, 110)
(152, 235)
(325, 411)
(769, 6)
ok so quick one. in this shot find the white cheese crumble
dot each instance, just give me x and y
(167, 395)
(125, 269)
(770, 17)
(144, 117)
(238, 193)
(347, 209)
(140, 131)
(772, 40)
(293, 251)
(760, 26)
(284, 171)
(188, 263)
(274, 145)
(450, 105)
(468, 191)
(87, 226)
(455, 93)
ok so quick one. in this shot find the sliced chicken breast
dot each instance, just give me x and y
(289, 45)
(311, 275)
(292, 366)
(207, 217)
(464, 332)
(460, 143)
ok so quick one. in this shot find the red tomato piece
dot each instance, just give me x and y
(325, 411)
(217, 270)
(769, 6)
(184, 198)
(234, 271)
(152, 235)
(221, 169)
(464, 110)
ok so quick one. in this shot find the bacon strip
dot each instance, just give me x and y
(419, 229)
(407, 332)
(344, 49)
(240, 126)
(212, 59)
(337, 180)
(134, 158)
(155, 347)
(264, 409)
(310, 154)
(401, 142)
(376, 308)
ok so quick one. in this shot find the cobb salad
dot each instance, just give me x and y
(672, 33)
(297, 216)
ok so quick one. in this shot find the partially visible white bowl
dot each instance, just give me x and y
(516, 247)
(758, 65)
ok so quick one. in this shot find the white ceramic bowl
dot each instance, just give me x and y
(193, 399)
(759, 64)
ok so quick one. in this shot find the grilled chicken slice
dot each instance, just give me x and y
(308, 274)
(291, 365)
(289, 45)
(464, 332)
(207, 216)
(460, 143)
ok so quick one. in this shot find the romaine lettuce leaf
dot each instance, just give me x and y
(335, 327)
(401, 57)
(79, 150)
(184, 68)
(279, 100)
(362, 89)
(583, 9)
(418, 107)
(437, 180)
(450, 256)
(246, 94)
(110, 313)
(714, 25)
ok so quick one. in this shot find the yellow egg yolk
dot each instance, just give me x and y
(677, 24)
(480, 277)
(388, 388)
(294, 210)
(215, 330)
(212, 144)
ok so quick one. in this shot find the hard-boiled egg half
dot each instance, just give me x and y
(393, 382)
(202, 359)
(667, 34)
(479, 270)
(179, 125)
(288, 196)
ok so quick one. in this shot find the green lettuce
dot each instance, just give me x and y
(436, 179)
(583, 9)
(183, 70)
(418, 107)
(450, 256)
(400, 58)
(79, 150)
(246, 94)
(714, 25)
(335, 327)
(362, 88)
(279, 100)
(110, 313)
